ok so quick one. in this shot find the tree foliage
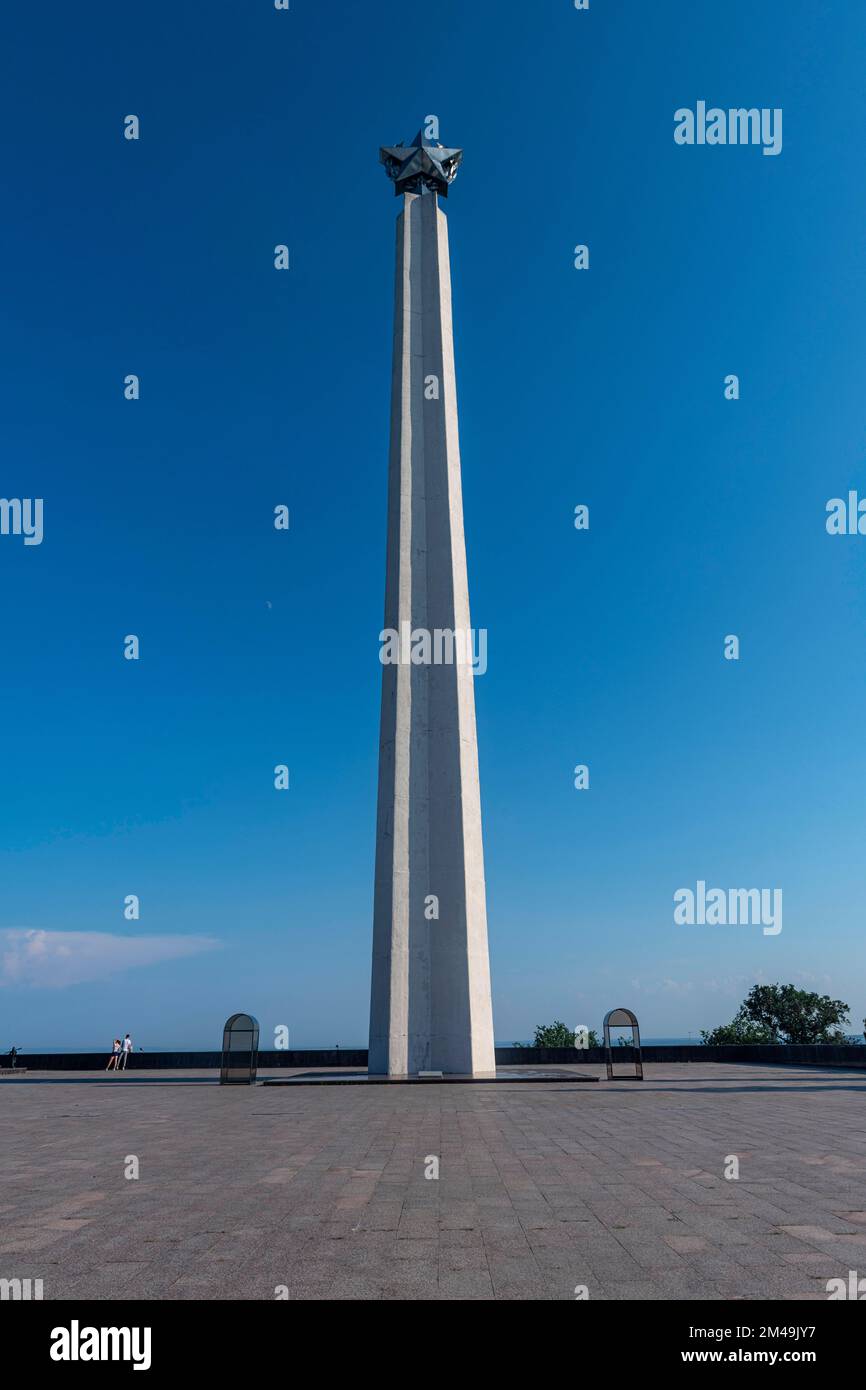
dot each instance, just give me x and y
(783, 1014)
(557, 1035)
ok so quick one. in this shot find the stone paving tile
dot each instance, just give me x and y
(462, 1284)
(541, 1189)
(636, 1289)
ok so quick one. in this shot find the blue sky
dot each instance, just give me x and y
(259, 387)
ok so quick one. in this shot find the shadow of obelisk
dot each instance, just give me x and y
(430, 1006)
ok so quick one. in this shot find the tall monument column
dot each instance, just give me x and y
(430, 1007)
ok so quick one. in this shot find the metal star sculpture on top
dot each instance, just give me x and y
(423, 164)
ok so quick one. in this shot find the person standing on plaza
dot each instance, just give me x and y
(127, 1048)
(114, 1059)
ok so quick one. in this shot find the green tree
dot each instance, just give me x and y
(783, 1014)
(739, 1032)
(557, 1035)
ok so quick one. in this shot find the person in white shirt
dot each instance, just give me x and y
(127, 1048)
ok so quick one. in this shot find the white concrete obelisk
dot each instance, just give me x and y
(430, 1006)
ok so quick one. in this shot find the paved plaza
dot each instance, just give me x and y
(619, 1187)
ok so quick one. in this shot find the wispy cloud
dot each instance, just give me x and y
(733, 985)
(55, 959)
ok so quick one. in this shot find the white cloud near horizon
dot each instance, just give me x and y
(37, 958)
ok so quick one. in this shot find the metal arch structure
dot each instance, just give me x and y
(622, 1018)
(240, 1052)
